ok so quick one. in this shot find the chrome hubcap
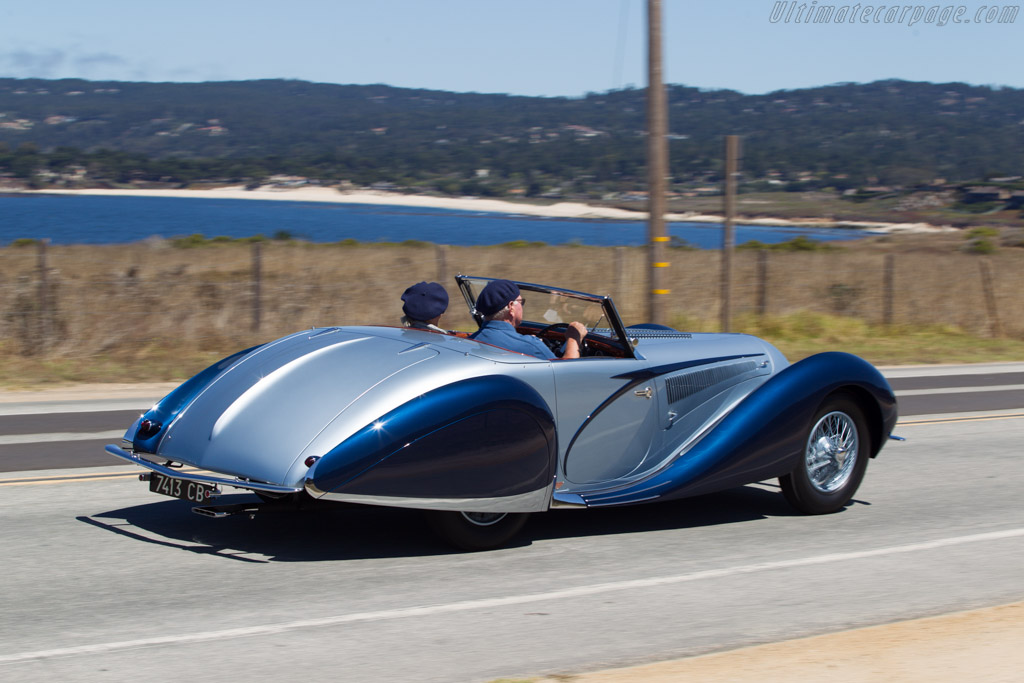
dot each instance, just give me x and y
(832, 452)
(484, 518)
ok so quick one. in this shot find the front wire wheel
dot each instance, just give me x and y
(476, 530)
(835, 458)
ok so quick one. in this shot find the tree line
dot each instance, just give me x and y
(842, 136)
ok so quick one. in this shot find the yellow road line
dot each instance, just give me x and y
(68, 478)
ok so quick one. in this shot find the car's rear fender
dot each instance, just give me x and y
(163, 413)
(480, 444)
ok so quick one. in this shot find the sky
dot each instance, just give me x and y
(522, 47)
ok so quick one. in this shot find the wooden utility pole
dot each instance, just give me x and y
(732, 153)
(657, 166)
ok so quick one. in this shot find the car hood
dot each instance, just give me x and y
(262, 416)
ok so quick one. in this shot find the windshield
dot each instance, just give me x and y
(548, 308)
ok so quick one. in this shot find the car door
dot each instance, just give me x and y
(641, 415)
(607, 418)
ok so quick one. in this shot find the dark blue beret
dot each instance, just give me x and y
(495, 296)
(424, 301)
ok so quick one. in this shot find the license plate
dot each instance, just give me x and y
(181, 488)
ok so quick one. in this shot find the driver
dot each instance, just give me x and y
(502, 307)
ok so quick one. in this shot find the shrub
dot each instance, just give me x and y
(189, 242)
(981, 239)
(676, 242)
(519, 244)
(982, 245)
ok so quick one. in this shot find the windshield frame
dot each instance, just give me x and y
(619, 339)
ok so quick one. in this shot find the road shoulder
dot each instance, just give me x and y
(978, 645)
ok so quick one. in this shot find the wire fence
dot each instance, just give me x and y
(91, 300)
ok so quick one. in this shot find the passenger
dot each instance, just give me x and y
(425, 303)
(502, 307)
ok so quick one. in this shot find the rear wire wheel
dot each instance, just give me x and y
(476, 530)
(835, 458)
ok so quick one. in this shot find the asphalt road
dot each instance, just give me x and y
(104, 581)
(59, 434)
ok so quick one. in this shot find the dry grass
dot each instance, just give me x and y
(149, 311)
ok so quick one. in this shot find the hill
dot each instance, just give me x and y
(888, 133)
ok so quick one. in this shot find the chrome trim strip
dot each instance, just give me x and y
(191, 476)
(534, 501)
(567, 501)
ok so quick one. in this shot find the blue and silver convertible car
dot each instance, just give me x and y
(479, 436)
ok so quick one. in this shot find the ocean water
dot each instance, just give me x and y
(117, 220)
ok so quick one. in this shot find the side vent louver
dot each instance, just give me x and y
(684, 386)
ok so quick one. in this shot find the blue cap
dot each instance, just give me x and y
(495, 296)
(424, 301)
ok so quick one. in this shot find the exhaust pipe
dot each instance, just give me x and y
(221, 511)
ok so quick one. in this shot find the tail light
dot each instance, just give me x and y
(148, 428)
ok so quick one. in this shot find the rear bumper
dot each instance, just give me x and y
(119, 452)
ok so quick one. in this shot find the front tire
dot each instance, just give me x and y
(476, 530)
(835, 458)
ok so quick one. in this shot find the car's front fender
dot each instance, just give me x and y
(764, 435)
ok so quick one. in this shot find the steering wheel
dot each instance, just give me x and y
(553, 344)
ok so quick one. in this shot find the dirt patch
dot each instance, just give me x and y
(88, 392)
(980, 645)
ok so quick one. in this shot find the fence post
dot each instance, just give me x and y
(888, 290)
(256, 282)
(442, 263)
(762, 283)
(732, 153)
(619, 268)
(43, 294)
(995, 325)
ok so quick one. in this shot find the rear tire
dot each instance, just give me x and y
(475, 531)
(835, 458)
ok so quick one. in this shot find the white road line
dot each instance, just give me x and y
(491, 603)
(958, 390)
(13, 439)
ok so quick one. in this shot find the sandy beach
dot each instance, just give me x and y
(557, 210)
